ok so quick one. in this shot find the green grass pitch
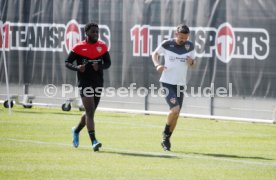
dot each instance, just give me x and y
(36, 144)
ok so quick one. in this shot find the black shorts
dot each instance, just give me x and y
(90, 91)
(172, 97)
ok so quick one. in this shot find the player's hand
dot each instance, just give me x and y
(190, 61)
(160, 68)
(81, 68)
(95, 66)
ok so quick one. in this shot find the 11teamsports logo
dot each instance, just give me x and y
(46, 37)
(72, 35)
(225, 42)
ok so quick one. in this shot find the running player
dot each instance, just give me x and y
(89, 58)
(179, 55)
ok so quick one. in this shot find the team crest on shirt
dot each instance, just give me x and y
(173, 100)
(171, 58)
(187, 47)
(99, 49)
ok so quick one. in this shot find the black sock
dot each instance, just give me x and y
(166, 133)
(92, 135)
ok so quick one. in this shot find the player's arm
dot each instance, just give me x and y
(155, 59)
(69, 63)
(106, 61)
(191, 57)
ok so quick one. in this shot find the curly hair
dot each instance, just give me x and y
(89, 25)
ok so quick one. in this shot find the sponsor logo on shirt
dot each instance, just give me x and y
(181, 59)
(171, 58)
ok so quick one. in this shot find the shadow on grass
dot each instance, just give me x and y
(136, 154)
(227, 156)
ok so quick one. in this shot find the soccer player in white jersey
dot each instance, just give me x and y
(179, 55)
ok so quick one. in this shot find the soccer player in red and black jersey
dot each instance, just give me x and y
(89, 58)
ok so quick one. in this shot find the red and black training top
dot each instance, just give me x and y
(86, 53)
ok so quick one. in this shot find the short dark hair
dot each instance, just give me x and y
(182, 28)
(89, 25)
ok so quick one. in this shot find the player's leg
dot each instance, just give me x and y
(171, 99)
(172, 118)
(82, 122)
(89, 105)
(76, 130)
(175, 111)
(169, 127)
(97, 96)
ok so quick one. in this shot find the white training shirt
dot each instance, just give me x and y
(175, 61)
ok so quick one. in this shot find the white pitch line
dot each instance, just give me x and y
(166, 154)
(148, 125)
